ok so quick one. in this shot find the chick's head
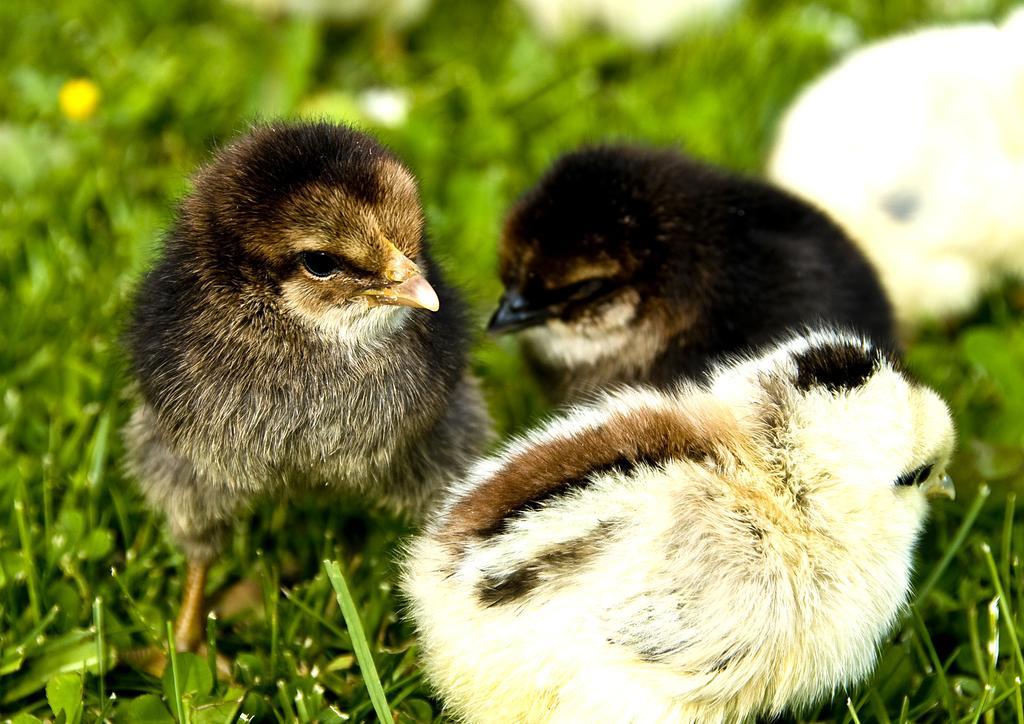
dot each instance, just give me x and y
(320, 217)
(582, 247)
(851, 448)
(845, 421)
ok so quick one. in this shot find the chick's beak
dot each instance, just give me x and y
(409, 288)
(514, 312)
(939, 486)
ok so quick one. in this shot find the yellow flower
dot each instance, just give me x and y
(79, 98)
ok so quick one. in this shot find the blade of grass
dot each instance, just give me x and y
(286, 705)
(980, 707)
(359, 642)
(132, 607)
(933, 657)
(275, 634)
(878, 705)
(853, 712)
(100, 442)
(294, 600)
(954, 546)
(211, 643)
(905, 710)
(975, 640)
(172, 654)
(993, 638)
(994, 702)
(271, 578)
(101, 649)
(30, 564)
(1011, 624)
(47, 490)
(860, 704)
(39, 628)
(300, 706)
(1007, 541)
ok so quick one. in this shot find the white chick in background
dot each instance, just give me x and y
(916, 146)
(641, 22)
(723, 551)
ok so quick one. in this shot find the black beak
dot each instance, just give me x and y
(515, 313)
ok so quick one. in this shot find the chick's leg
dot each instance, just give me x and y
(200, 533)
(188, 629)
(189, 626)
(199, 512)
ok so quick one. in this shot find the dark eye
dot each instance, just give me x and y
(918, 475)
(319, 264)
(587, 289)
(580, 291)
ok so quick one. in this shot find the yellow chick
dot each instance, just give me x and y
(713, 553)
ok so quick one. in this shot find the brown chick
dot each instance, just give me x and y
(296, 334)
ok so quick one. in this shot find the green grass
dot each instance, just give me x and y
(85, 570)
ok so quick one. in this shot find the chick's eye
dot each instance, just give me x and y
(918, 475)
(587, 289)
(580, 291)
(319, 264)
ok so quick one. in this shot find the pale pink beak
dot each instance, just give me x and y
(413, 289)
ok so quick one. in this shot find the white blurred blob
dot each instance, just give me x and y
(393, 13)
(388, 107)
(916, 146)
(641, 22)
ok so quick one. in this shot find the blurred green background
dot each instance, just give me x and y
(477, 103)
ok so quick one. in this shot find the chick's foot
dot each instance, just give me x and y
(153, 660)
(188, 629)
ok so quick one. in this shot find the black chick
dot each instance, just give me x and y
(284, 339)
(633, 264)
